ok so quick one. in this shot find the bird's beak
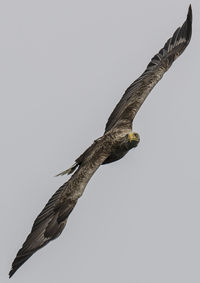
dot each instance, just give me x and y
(132, 137)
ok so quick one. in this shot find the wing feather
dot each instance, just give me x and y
(134, 96)
(51, 221)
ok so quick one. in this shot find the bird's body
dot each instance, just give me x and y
(119, 150)
(117, 140)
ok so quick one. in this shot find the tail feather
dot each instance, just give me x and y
(68, 171)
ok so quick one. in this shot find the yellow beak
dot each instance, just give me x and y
(131, 137)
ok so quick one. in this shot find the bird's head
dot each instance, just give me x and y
(133, 139)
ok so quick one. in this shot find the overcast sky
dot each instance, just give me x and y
(64, 66)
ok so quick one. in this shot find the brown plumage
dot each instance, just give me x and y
(117, 140)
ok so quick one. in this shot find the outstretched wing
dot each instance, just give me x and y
(52, 220)
(134, 96)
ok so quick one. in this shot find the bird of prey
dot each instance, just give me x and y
(117, 140)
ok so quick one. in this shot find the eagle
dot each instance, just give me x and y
(116, 142)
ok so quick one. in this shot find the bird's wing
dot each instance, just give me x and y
(134, 96)
(52, 220)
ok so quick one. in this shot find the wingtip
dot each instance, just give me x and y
(188, 23)
(13, 270)
(189, 15)
(10, 274)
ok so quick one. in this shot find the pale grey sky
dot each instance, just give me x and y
(64, 66)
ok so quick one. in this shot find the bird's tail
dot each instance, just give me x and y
(68, 171)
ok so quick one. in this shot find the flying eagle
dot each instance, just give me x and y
(117, 140)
